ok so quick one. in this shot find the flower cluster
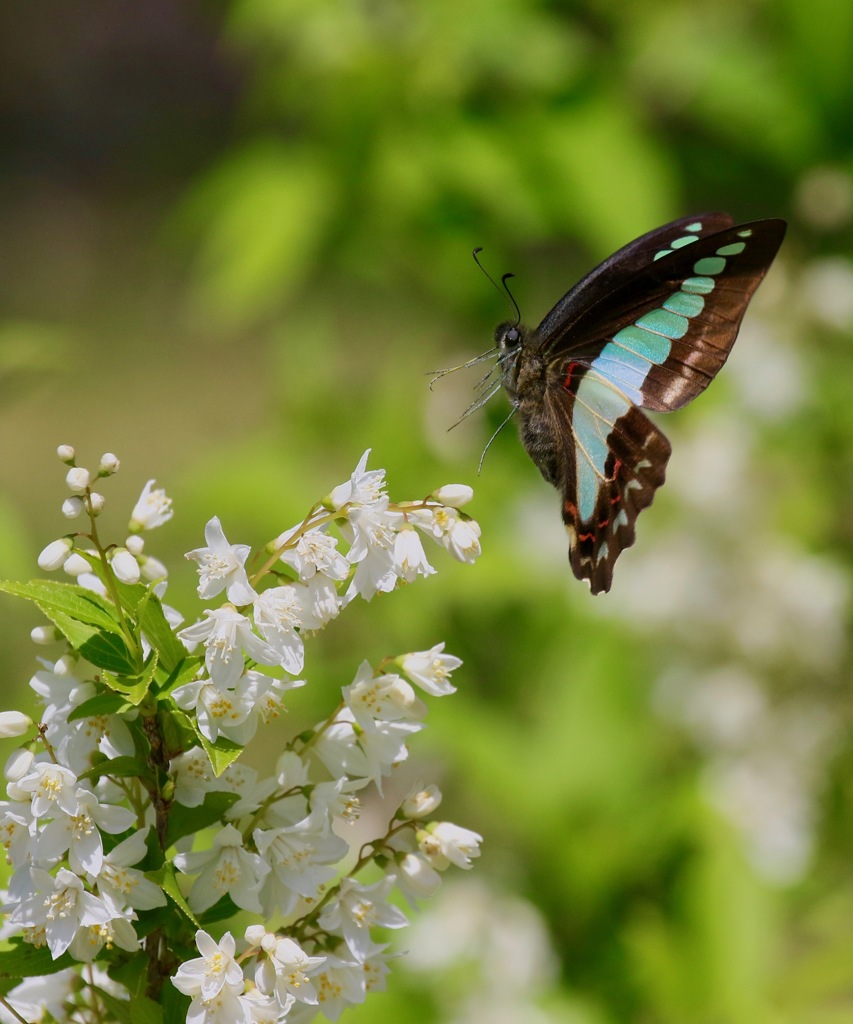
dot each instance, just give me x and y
(129, 823)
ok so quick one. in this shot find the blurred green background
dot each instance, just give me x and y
(234, 239)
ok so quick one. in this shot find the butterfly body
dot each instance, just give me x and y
(647, 329)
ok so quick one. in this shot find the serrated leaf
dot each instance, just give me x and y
(66, 599)
(117, 768)
(221, 753)
(194, 819)
(133, 688)
(165, 878)
(147, 609)
(109, 651)
(101, 704)
(75, 632)
(19, 959)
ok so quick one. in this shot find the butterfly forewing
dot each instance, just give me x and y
(622, 266)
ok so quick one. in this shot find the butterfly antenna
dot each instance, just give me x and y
(511, 297)
(502, 288)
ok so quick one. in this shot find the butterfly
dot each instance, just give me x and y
(649, 328)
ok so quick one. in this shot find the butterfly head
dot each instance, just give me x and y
(510, 340)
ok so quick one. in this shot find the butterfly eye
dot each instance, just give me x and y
(512, 337)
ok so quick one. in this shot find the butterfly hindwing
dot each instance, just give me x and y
(615, 459)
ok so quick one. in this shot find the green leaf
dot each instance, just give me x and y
(117, 768)
(101, 704)
(110, 652)
(146, 608)
(119, 1009)
(66, 599)
(175, 1005)
(18, 959)
(221, 753)
(165, 878)
(193, 819)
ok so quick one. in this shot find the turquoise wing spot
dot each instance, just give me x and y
(698, 285)
(661, 254)
(710, 265)
(746, 233)
(625, 368)
(652, 347)
(679, 243)
(597, 407)
(685, 304)
(731, 250)
(664, 322)
(694, 227)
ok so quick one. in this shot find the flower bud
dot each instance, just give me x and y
(417, 877)
(18, 764)
(44, 634)
(13, 723)
(421, 802)
(76, 564)
(109, 464)
(135, 544)
(153, 568)
(54, 555)
(77, 479)
(65, 453)
(96, 503)
(125, 566)
(454, 495)
(72, 507)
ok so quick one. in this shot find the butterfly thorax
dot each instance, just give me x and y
(524, 372)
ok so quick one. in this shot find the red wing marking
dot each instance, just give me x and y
(567, 383)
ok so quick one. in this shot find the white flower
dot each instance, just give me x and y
(455, 495)
(286, 973)
(221, 567)
(339, 984)
(120, 885)
(60, 907)
(357, 909)
(416, 879)
(460, 536)
(431, 669)
(53, 789)
(125, 566)
(387, 697)
(298, 855)
(215, 969)
(226, 1007)
(218, 708)
(75, 565)
(363, 487)
(226, 868)
(194, 778)
(314, 552)
(278, 613)
(421, 801)
(410, 560)
(65, 453)
(54, 555)
(80, 833)
(443, 844)
(226, 634)
(369, 755)
(321, 602)
(152, 509)
(96, 503)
